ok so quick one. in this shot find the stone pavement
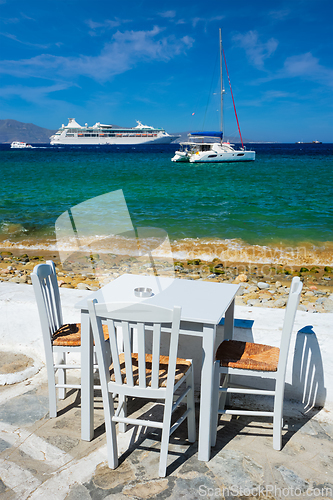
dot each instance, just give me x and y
(42, 458)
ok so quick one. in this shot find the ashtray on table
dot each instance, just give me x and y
(143, 292)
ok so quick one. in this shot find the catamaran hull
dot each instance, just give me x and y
(237, 156)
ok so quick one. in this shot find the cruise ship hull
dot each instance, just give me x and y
(112, 141)
(108, 135)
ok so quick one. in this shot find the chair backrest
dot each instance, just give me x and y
(44, 280)
(141, 317)
(288, 323)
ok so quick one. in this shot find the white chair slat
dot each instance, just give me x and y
(128, 353)
(156, 355)
(114, 351)
(141, 355)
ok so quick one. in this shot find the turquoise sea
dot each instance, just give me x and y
(277, 207)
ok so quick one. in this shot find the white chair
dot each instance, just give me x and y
(58, 338)
(255, 360)
(142, 375)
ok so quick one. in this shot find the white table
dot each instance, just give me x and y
(203, 306)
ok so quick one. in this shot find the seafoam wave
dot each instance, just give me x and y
(228, 250)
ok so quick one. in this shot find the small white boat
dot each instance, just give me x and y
(20, 145)
(199, 150)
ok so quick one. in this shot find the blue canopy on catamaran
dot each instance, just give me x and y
(208, 134)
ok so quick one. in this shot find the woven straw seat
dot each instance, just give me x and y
(248, 356)
(70, 335)
(182, 366)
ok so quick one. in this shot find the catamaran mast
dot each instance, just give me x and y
(221, 122)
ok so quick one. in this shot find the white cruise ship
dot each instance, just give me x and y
(98, 134)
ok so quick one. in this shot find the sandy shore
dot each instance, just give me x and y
(261, 284)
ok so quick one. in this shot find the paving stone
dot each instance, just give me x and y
(293, 480)
(4, 445)
(236, 470)
(78, 492)
(27, 409)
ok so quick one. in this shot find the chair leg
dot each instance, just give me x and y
(111, 435)
(278, 416)
(51, 386)
(216, 398)
(165, 438)
(122, 400)
(191, 431)
(62, 375)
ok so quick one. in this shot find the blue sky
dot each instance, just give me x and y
(157, 62)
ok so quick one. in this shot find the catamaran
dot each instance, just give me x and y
(98, 134)
(199, 149)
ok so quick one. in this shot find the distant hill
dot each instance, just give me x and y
(12, 130)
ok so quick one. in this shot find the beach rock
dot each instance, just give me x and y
(82, 286)
(265, 295)
(302, 307)
(309, 294)
(262, 285)
(328, 305)
(253, 302)
(242, 278)
(278, 284)
(16, 279)
(280, 302)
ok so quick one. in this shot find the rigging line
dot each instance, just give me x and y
(210, 92)
(232, 95)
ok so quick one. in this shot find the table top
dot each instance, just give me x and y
(201, 301)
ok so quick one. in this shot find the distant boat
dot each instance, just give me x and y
(313, 142)
(20, 145)
(75, 135)
(199, 150)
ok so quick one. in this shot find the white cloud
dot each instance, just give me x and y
(36, 95)
(256, 50)
(107, 24)
(279, 15)
(304, 66)
(168, 13)
(124, 52)
(14, 37)
(205, 20)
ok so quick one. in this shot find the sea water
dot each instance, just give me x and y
(278, 208)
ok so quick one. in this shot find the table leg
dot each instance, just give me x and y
(229, 322)
(207, 373)
(87, 379)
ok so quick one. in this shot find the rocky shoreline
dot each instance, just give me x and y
(260, 284)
